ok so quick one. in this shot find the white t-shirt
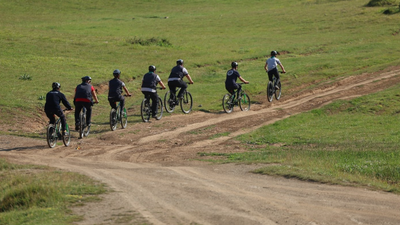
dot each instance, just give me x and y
(272, 62)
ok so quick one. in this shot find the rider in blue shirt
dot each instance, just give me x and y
(231, 77)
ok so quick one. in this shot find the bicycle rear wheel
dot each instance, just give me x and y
(186, 102)
(145, 110)
(169, 103)
(270, 91)
(67, 136)
(244, 102)
(160, 109)
(51, 136)
(113, 119)
(279, 91)
(124, 118)
(227, 104)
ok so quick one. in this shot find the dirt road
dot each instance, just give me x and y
(156, 181)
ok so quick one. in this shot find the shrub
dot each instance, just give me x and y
(25, 77)
(150, 41)
(373, 3)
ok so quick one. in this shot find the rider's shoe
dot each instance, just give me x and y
(77, 127)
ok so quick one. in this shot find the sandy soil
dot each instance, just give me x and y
(156, 180)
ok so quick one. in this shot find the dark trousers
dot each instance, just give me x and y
(78, 108)
(273, 72)
(154, 98)
(175, 84)
(50, 114)
(113, 102)
(232, 89)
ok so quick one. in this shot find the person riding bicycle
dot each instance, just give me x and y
(149, 84)
(52, 106)
(231, 78)
(84, 94)
(175, 80)
(115, 87)
(271, 67)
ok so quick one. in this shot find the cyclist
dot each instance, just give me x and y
(52, 106)
(175, 80)
(271, 67)
(115, 87)
(149, 83)
(84, 94)
(231, 77)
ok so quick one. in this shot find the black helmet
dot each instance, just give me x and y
(179, 62)
(274, 53)
(116, 72)
(56, 85)
(152, 68)
(85, 78)
(234, 64)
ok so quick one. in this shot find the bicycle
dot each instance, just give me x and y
(229, 101)
(117, 116)
(186, 102)
(145, 109)
(54, 133)
(84, 128)
(271, 90)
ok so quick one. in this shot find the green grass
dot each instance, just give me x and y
(64, 41)
(347, 142)
(41, 195)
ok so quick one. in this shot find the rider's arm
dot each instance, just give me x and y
(243, 80)
(283, 69)
(266, 67)
(96, 100)
(162, 84)
(190, 79)
(126, 91)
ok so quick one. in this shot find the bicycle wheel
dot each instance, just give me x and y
(51, 136)
(270, 91)
(227, 104)
(244, 102)
(124, 118)
(279, 91)
(159, 109)
(113, 119)
(186, 102)
(168, 103)
(67, 136)
(145, 110)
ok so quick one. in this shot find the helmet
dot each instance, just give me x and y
(85, 78)
(56, 85)
(116, 72)
(179, 62)
(234, 64)
(274, 53)
(152, 68)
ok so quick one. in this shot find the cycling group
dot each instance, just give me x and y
(85, 96)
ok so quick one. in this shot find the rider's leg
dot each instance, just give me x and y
(183, 86)
(239, 88)
(50, 115)
(78, 108)
(62, 118)
(154, 98)
(88, 106)
(112, 102)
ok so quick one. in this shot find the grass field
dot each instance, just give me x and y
(348, 142)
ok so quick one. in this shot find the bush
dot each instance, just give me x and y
(373, 3)
(150, 41)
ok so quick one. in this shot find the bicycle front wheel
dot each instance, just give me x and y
(160, 109)
(51, 136)
(145, 110)
(270, 91)
(186, 102)
(67, 136)
(279, 91)
(244, 102)
(113, 119)
(227, 104)
(169, 103)
(124, 118)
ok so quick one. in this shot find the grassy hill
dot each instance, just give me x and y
(44, 42)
